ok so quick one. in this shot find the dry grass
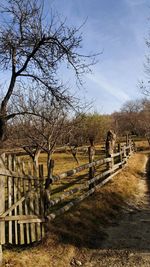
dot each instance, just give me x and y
(142, 144)
(63, 161)
(85, 226)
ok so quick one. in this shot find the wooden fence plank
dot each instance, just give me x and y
(2, 204)
(27, 229)
(10, 196)
(31, 210)
(15, 192)
(33, 232)
(19, 217)
(1, 255)
(21, 228)
(36, 201)
(80, 168)
(67, 207)
(5, 172)
(42, 207)
(91, 154)
(32, 221)
(15, 205)
(37, 212)
(15, 209)
(26, 212)
(25, 189)
(82, 187)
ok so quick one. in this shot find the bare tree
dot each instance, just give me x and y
(127, 120)
(145, 83)
(144, 122)
(89, 125)
(32, 49)
(134, 118)
(41, 128)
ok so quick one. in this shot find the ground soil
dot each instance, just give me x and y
(128, 240)
(124, 241)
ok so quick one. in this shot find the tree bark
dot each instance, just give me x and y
(4, 103)
(3, 124)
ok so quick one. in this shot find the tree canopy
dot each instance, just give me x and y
(32, 49)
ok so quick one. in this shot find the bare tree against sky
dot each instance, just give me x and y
(32, 49)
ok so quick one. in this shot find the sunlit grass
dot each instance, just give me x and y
(80, 227)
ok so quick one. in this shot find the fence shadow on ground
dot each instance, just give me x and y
(69, 183)
(89, 226)
(82, 226)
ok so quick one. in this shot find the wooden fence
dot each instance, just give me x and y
(26, 204)
(104, 170)
(21, 203)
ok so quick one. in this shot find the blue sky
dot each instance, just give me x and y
(118, 28)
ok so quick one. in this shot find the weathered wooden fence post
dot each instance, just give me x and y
(120, 156)
(1, 255)
(112, 161)
(9, 165)
(91, 153)
(133, 145)
(124, 154)
(110, 146)
(127, 144)
(49, 182)
(127, 139)
(2, 208)
(41, 171)
(130, 147)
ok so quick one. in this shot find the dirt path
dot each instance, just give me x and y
(128, 241)
(83, 238)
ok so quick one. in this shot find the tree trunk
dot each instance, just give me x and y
(4, 104)
(3, 124)
(36, 162)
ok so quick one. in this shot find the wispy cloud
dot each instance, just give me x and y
(134, 3)
(118, 93)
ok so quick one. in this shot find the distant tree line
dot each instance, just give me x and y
(133, 118)
(53, 126)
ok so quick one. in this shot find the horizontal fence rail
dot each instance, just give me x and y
(80, 168)
(112, 169)
(21, 199)
(27, 204)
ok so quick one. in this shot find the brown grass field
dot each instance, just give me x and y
(75, 233)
